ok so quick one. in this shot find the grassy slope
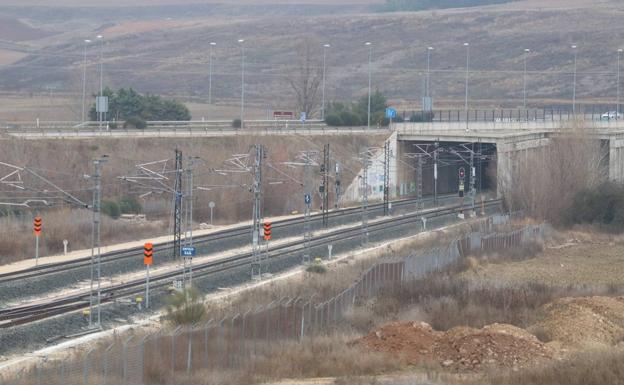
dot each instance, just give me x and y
(174, 60)
(65, 162)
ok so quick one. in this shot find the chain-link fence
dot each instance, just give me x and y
(236, 342)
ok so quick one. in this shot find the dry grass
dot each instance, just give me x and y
(549, 178)
(65, 163)
(17, 241)
(338, 276)
(329, 356)
(590, 368)
(495, 34)
(454, 298)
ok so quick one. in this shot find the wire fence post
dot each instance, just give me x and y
(39, 370)
(124, 359)
(106, 363)
(85, 368)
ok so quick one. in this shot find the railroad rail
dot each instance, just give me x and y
(117, 256)
(24, 314)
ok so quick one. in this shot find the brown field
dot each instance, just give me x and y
(119, 3)
(580, 260)
(64, 162)
(170, 57)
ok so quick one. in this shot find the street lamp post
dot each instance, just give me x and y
(574, 83)
(325, 46)
(429, 49)
(370, 58)
(212, 44)
(100, 113)
(242, 117)
(84, 81)
(467, 45)
(526, 53)
(617, 107)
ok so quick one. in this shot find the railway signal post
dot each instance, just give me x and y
(148, 260)
(37, 228)
(462, 176)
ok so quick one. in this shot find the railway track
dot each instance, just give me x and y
(117, 256)
(19, 315)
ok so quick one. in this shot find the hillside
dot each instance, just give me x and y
(171, 57)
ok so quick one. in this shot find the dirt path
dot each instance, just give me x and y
(578, 262)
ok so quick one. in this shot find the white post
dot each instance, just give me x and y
(467, 45)
(212, 44)
(526, 52)
(84, 81)
(36, 250)
(370, 58)
(242, 118)
(574, 83)
(617, 107)
(147, 287)
(101, 114)
(325, 46)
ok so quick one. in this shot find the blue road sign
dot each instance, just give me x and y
(308, 199)
(303, 117)
(188, 251)
(391, 113)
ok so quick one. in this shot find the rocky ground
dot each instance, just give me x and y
(578, 263)
(459, 349)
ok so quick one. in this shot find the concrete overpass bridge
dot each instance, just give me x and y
(506, 143)
(499, 149)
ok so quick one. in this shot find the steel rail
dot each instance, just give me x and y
(115, 256)
(30, 313)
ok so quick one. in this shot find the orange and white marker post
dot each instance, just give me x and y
(267, 237)
(37, 227)
(148, 260)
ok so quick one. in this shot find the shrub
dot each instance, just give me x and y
(236, 123)
(129, 205)
(135, 122)
(333, 120)
(595, 368)
(111, 209)
(317, 268)
(185, 307)
(380, 120)
(349, 118)
(603, 205)
(126, 103)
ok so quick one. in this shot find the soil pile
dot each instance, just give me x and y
(461, 348)
(584, 322)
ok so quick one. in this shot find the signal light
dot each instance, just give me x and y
(37, 226)
(267, 231)
(148, 254)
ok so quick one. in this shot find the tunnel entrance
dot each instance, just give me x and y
(450, 157)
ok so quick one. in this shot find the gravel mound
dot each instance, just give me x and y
(589, 322)
(460, 349)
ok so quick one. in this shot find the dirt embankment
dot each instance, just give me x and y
(65, 162)
(584, 323)
(569, 324)
(459, 349)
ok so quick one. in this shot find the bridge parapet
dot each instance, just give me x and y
(428, 127)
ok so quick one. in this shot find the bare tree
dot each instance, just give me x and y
(548, 179)
(307, 75)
